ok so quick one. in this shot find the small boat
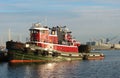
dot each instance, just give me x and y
(48, 44)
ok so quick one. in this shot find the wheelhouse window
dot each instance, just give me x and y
(35, 31)
(43, 31)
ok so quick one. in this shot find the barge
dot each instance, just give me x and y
(49, 44)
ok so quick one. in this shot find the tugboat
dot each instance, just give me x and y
(48, 44)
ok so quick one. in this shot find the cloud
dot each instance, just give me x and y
(45, 5)
(107, 1)
(86, 18)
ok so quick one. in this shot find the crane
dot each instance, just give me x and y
(108, 39)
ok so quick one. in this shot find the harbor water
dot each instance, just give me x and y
(109, 67)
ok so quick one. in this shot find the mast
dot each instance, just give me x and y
(46, 21)
(19, 38)
(1, 41)
(9, 34)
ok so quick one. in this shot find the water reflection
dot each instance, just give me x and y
(46, 70)
(3, 70)
(57, 70)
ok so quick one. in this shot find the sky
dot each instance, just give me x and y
(87, 19)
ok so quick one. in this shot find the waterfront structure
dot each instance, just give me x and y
(100, 45)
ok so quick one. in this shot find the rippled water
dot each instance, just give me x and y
(107, 68)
